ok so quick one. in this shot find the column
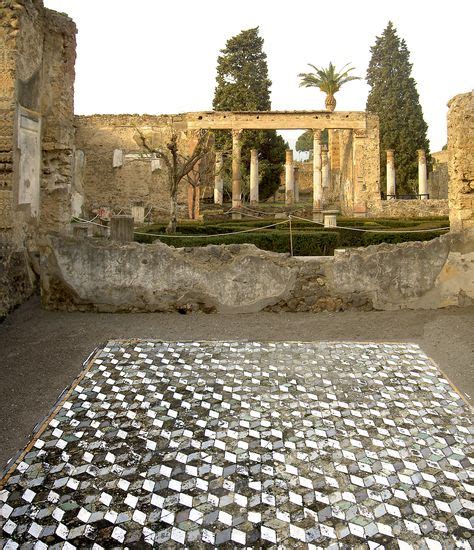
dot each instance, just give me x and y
(236, 174)
(422, 181)
(359, 207)
(390, 174)
(253, 176)
(296, 183)
(325, 167)
(317, 176)
(219, 179)
(289, 178)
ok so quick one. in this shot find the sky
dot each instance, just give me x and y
(156, 57)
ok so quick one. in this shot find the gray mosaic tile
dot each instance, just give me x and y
(284, 445)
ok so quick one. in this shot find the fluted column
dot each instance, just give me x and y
(289, 178)
(296, 184)
(422, 179)
(236, 173)
(219, 179)
(325, 166)
(317, 174)
(390, 173)
(253, 176)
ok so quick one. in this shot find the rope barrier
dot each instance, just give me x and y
(252, 230)
(372, 230)
(255, 229)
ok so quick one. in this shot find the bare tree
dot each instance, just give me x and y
(177, 164)
(201, 175)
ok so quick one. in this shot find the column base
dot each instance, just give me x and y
(236, 215)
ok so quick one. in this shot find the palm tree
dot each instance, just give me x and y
(328, 80)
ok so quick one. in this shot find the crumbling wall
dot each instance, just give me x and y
(461, 161)
(94, 274)
(37, 55)
(438, 179)
(398, 208)
(132, 181)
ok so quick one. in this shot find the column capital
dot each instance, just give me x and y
(237, 133)
(390, 154)
(358, 133)
(317, 134)
(421, 155)
(289, 155)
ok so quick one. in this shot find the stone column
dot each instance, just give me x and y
(390, 173)
(422, 180)
(325, 167)
(359, 206)
(121, 228)
(219, 179)
(236, 174)
(296, 184)
(253, 176)
(289, 178)
(317, 176)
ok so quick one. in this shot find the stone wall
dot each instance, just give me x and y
(94, 274)
(398, 208)
(438, 179)
(461, 161)
(132, 182)
(37, 56)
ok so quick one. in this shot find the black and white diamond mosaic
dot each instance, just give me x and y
(285, 445)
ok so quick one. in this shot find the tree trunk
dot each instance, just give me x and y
(171, 228)
(330, 102)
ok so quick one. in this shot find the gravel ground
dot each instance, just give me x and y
(43, 351)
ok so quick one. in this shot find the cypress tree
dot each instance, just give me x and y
(242, 84)
(394, 98)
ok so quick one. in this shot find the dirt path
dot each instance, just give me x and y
(42, 352)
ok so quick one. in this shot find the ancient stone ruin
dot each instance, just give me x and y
(54, 166)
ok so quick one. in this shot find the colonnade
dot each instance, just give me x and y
(422, 175)
(321, 175)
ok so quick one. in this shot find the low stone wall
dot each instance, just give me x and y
(98, 275)
(398, 208)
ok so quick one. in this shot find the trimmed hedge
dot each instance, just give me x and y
(305, 243)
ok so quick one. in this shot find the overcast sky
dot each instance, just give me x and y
(153, 56)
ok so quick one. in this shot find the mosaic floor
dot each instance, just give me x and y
(274, 445)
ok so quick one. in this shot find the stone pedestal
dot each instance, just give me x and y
(253, 176)
(138, 214)
(317, 174)
(219, 179)
(330, 218)
(121, 229)
(422, 176)
(289, 178)
(236, 174)
(390, 175)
